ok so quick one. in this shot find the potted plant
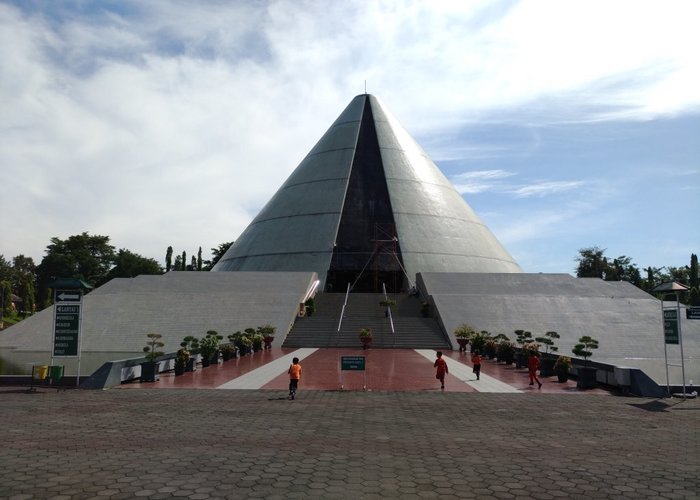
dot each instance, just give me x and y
(191, 344)
(182, 357)
(547, 366)
(366, 337)
(562, 367)
(228, 351)
(522, 338)
(209, 348)
(489, 348)
(310, 306)
(258, 341)
(387, 303)
(268, 333)
(463, 333)
(242, 341)
(149, 368)
(425, 309)
(505, 351)
(586, 376)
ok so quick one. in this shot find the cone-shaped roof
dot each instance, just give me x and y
(367, 201)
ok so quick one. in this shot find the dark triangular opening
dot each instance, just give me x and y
(366, 251)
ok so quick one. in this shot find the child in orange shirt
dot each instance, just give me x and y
(476, 362)
(294, 376)
(442, 370)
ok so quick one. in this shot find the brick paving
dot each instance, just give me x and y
(200, 444)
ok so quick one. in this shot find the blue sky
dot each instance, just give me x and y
(564, 124)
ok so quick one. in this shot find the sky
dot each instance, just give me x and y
(564, 124)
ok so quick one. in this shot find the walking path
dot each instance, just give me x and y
(385, 370)
(260, 376)
(464, 373)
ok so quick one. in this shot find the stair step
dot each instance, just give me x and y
(412, 331)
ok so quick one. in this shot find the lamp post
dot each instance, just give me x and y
(676, 289)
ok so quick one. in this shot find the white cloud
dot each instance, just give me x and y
(172, 123)
(546, 188)
(479, 181)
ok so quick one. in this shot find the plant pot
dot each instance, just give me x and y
(268, 342)
(149, 371)
(547, 367)
(562, 376)
(366, 341)
(462, 344)
(520, 360)
(206, 361)
(191, 364)
(585, 379)
(179, 368)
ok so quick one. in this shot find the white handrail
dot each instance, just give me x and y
(388, 309)
(342, 311)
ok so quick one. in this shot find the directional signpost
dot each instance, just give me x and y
(670, 326)
(66, 330)
(692, 312)
(671, 317)
(68, 302)
(352, 363)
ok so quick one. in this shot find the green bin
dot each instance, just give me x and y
(39, 372)
(56, 372)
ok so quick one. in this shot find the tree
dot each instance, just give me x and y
(193, 264)
(168, 259)
(622, 269)
(199, 259)
(130, 265)
(6, 292)
(184, 261)
(83, 256)
(216, 253)
(591, 263)
(5, 270)
(694, 297)
(26, 293)
(694, 278)
(678, 274)
(653, 278)
(177, 265)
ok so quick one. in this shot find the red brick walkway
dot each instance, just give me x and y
(385, 370)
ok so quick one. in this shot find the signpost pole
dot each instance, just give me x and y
(680, 337)
(663, 326)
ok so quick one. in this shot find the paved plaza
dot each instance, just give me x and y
(199, 444)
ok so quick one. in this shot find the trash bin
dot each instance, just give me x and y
(40, 372)
(56, 372)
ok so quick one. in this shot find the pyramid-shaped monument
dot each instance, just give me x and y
(367, 206)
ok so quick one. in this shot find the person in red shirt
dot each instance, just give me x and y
(533, 364)
(294, 377)
(476, 363)
(442, 370)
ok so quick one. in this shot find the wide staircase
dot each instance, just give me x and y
(411, 330)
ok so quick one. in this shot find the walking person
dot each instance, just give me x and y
(442, 370)
(294, 376)
(533, 364)
(476, 363)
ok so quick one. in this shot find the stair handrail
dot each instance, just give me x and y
(342, 311)
(388, 310)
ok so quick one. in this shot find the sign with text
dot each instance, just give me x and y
(66, 329)
(670, 326)
(692, 312)
(353, 363)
